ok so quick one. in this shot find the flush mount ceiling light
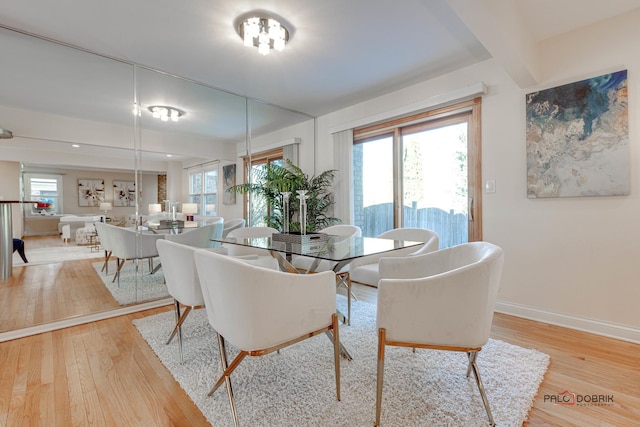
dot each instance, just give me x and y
(261, 30)
(166, 113)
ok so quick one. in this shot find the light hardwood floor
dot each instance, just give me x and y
(103, 373)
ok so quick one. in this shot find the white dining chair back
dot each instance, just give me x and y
(304, 263)
(366, 269)
(231, 225)
(442, 300)
(260, 310)
(179, 269)
(127, 244)
(198, 237)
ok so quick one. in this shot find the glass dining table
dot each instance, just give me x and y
(338, 250)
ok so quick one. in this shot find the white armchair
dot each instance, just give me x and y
(198, 237)
(102, 229)
(342, 276)
(179, 270)
(231, 225)
(366, 269)
(127, 244)
(260, 310)
(443, 300)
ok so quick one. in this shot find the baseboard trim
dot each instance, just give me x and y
(80, 320)
(611, 330)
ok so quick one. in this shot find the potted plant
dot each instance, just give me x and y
(275, 179)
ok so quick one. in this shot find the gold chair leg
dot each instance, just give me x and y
(227, 372)
(336, 351)
(223, 361)
(381, 342)
(472, 361)
(105, 266)
(120, 263)
(178, 328)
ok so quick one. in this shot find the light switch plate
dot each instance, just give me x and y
(490, 186)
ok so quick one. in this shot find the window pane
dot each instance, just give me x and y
(259, 203)
(435, 182)
(210, 201)
(195, 183)
(45, 191)
(211, 181)
(373, 185)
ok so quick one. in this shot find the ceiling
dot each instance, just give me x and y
(340, 52)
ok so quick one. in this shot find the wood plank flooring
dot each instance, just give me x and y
(104, 373)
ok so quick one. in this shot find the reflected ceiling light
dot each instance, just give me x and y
(166, 113)
(169, 155)
(75, 145)
(264, 32)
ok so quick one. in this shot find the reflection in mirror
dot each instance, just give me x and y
(72, 116)
(67, 110)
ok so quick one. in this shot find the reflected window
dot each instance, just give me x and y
(203, 191)
(46, 190)
(259, 205)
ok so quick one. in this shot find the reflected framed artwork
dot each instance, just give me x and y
(228, 180)
(124, 193)
(90, 192)
(578, 139)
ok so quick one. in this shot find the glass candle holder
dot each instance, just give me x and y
(285, 211)
(302, 196)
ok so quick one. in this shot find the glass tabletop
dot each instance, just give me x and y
(332, 248)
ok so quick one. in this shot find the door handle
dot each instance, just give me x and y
(470, 208)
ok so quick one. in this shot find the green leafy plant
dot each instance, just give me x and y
(274, 179)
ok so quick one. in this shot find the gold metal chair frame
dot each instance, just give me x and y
(472, 353)
(180, 318)
(331, 331)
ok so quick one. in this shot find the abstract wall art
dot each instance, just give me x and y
(228, 181)
(124, 193)
(578, 139)
(90, 192)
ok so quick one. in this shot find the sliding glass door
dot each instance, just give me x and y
(420, 172)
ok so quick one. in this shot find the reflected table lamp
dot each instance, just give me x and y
(105, 206)
(155, 208)
(188, 209)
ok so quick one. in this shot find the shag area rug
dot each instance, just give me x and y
(296, 387)
(135, 286)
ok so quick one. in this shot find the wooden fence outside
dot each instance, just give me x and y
(451, 227)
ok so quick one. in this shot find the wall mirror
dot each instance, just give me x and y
(86, 118)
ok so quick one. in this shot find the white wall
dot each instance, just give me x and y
(10, 190)
(570, 261)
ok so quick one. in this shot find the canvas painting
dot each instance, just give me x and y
(124, 193)
(229, 180)
(578, 139)
(90, 192)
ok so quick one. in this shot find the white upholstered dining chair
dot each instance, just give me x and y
(261, 310)
(179, 268)
(127, 244)
(443, 300)
(366, 269)
(198, 237)
(304, 263)
(231, 225)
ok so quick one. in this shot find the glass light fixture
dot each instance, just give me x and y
(263, 32)
(166, 113)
